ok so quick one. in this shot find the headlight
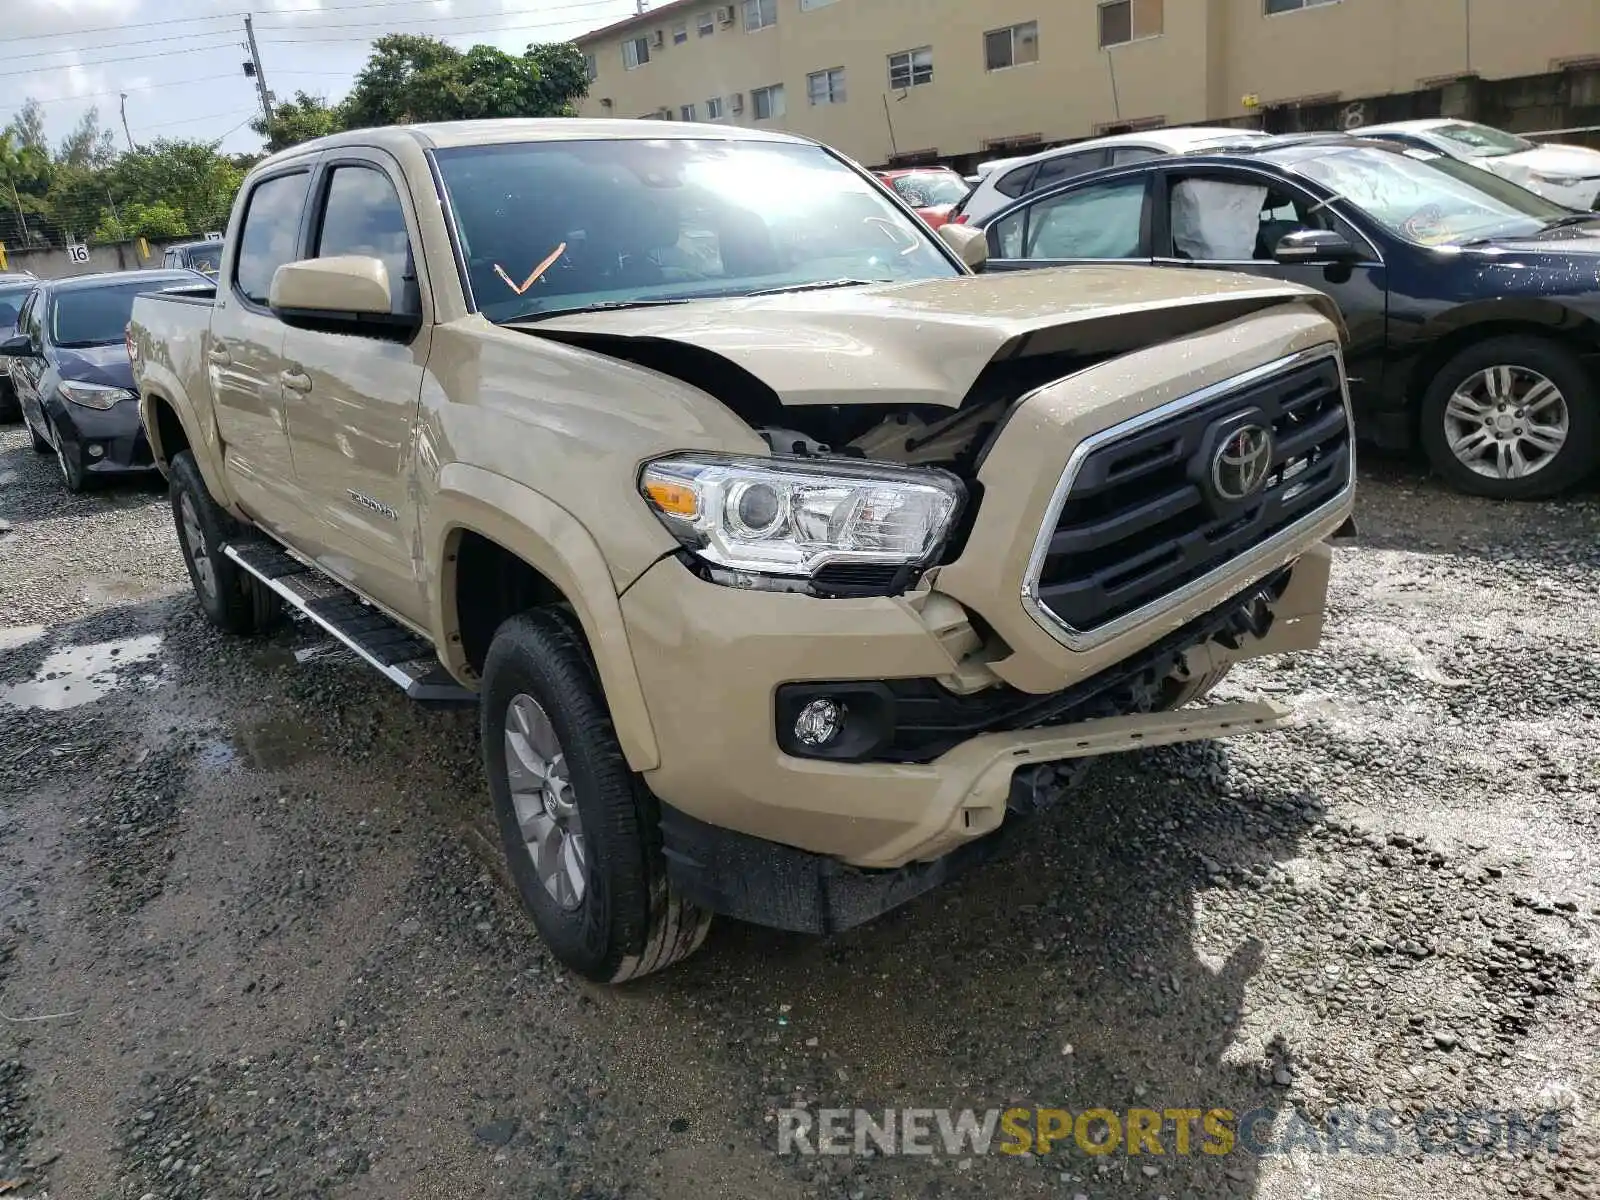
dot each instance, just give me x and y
(792, 517)
(93, 395)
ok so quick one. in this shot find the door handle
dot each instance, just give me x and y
(219, 355)
(296, 380)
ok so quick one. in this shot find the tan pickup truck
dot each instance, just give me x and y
(790, 562)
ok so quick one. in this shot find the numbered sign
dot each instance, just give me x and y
(213, 237)
(77, 254)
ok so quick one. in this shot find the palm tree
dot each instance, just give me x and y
(18, 162)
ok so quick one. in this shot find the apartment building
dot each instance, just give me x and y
(954, 80)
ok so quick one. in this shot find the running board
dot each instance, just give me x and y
(396, 653)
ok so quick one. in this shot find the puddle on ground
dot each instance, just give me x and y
(74, 675)
(15, 636)
(270, 745)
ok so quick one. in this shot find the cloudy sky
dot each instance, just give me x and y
(179, 60)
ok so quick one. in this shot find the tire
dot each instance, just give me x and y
(234, 601)
(73, 476)
(40, 446)
(627, 921)
(1470, 387)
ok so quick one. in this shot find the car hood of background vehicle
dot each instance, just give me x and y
(927, 342)
(1575, 162)
(96, 364)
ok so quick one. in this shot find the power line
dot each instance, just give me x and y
(34, 37)
(587, 5)
(149, 87)
(103, 62)
(373, 36)
(208, 117)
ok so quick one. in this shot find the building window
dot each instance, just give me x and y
(591, 67)
(1012, 47)
(714, 109)
(826, 87)
(686, 112)
(635, 53)
(1129, 20)
(768, 102)
(911, 67)
(758, 14)
(706, 24)
(1283, 6)
(808, 5)
(680, 33)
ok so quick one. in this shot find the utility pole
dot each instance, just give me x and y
(125, 132)
(254, 68)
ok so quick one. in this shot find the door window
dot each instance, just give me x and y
(270, 235)
(363, 216)
(1065, 166)
(1237, 220)
(1105, 221)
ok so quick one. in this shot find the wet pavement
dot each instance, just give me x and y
(255, 940)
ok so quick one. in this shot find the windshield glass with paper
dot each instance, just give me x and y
(1417, 200)
(565, 225)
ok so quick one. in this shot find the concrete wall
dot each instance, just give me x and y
(1209, 55)
(52, 262)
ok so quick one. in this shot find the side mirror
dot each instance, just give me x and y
(1314, 246)
(971, 245)
(18, 345)
(342, 294)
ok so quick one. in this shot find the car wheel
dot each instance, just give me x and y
(232, 599)
(579, 828)
(73, 475)
(1514, 418)
(40, 446)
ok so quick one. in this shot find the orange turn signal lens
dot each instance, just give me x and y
(672, 498)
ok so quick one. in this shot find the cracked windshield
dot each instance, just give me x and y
(799, 600)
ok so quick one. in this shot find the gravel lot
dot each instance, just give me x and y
(253, 941)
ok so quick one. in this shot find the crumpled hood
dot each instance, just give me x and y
(927, 342)
(107, 365)
(1575, 162)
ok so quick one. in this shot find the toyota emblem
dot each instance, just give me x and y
(1241, 464)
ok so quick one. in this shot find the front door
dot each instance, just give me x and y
(353, 402)
(26, 372)
(244, 354)
(1233, 219)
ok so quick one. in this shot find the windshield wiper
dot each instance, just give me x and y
(818, 286)
(1577, 218)
(600, 306)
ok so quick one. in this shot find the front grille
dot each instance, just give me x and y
(1142, 517)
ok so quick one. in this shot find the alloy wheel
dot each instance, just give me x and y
(1506, 422)
(546, 806)
(195, 538)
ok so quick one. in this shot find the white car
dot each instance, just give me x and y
(1568, 175)
(1005, 179)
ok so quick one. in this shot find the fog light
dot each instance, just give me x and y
(96, 449)
(818, 722)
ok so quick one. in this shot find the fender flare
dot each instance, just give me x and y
(205, 440)
(553, 542)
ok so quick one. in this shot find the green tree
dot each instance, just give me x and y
(20, 164)
(410, 77)
(298, 120)
(88, 145)
(189, 177)
(142, 220)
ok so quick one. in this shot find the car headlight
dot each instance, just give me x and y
(762, 517)
(93, 395)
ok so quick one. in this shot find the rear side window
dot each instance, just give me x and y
(1054, 170)
(363, 216)
(1014, 183)
(271, 233)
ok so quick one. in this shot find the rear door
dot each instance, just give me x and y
(1096, 222)
(352, 400)
(1232, 218)
(244, 351)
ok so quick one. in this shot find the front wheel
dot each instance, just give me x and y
(1513, 418)
(579, 828)
(40, 446)
(73, 475)
(232, 599)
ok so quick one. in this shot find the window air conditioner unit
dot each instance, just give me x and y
(659, 40)
(736, 102)
(725, 14)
